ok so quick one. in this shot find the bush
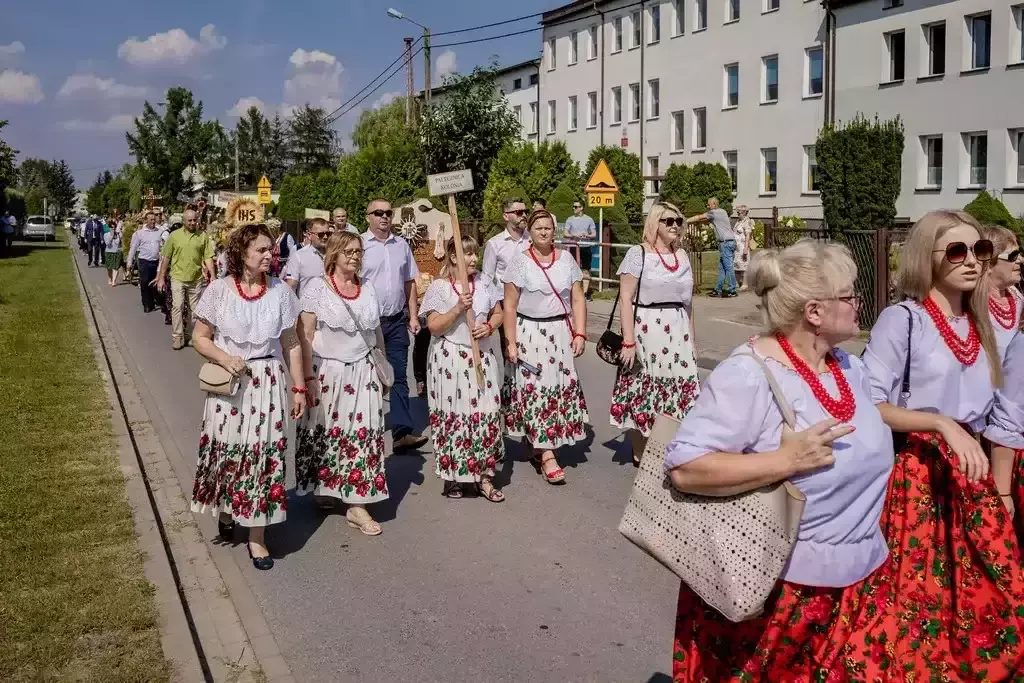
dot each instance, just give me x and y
(757, 236)
(711, 180)
(531, 172)
(626, 169)
(788, 232)
(561, 200)
(675, 186)
(694, 206)
(991, 211)
(130, 226)
(15, 204)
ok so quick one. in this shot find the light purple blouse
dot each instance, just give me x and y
(839, 541)
(1006, 423)
(1005, 336)
(939, 383)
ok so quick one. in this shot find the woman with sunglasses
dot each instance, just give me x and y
(545, 317)
(1005, 301)
(659, 368)
(952, 541)
(340, 454)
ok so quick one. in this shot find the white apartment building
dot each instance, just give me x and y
(954, 72)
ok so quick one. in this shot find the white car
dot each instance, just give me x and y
(39, 226)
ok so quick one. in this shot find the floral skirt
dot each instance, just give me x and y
(243, 447)
(340, 451)
(667, 379)
(465, 418)
(548, 409)
(112, 260)
(957, 567)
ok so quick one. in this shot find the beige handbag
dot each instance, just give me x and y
(214, 379)
(729, 550)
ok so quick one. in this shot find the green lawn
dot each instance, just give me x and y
(74, 602)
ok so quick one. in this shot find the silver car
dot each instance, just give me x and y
(39, 226)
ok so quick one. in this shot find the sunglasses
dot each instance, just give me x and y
(669, 222)
(518, 212)
(956, 252)
(352, 253)
(1010, 256)
(322, 235)
(381, 213)
(576, 206)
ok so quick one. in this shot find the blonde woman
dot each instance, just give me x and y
(545, 318)
(952, 540)
(834, 593)
(1004, 301)
(465, 416)
(340, 455)
(744, 230)
(659, 368)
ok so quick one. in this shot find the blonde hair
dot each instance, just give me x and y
(1001, 238)
(659, 211)
(787, 279)
(336, 244)
(469, 246)
(916, 276)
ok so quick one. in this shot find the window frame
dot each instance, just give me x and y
(1016, 154)
(1017, 36)
(573, 114)
(892, 62)
(552, 57)
(616, 96)
(552, 117)
(727, 102)
(732, 11)
(700, 129)
(764, 190)
(808, 78)
(700, 11)
(653, 187)
(734, 169)
(574, 48)
(765, 99)
(928, 60)
(810, 171)
(592, 43)
(636, 30)
(534, 118)
(617, 41)
(678, 18)
(968, 177)
(767, 8)
(654, 19)
(653, 99)
(592, 112)
(924, 180)
(636, 103)
(677, 131)
(970, 44)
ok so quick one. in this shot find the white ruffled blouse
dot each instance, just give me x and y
(441, 298)
(536, 298)
(248, 329)
(659, 284)
(346, 330)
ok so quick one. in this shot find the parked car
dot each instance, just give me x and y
(39, 226)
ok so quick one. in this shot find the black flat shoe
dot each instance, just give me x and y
(261, 563)
(226, 531)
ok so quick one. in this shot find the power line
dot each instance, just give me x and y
(484, 40)
(497, 23)
(380, 85)
(341, 106)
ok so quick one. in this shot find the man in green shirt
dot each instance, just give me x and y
(188, 253)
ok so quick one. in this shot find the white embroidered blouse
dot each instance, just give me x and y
(659, 284)
(248, 329)
(345, 330)
(441, 298)
(536, 298)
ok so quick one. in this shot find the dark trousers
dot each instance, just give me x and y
(147, 273)
(419, 355)
(96, 253)
(5, 243)
(83, 244)
(395, 329)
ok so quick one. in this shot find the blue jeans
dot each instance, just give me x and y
(396, 345)
(726, 272)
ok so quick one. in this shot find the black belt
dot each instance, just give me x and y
(394, 316)
(270, 357)
(663, 304)
(549, 319)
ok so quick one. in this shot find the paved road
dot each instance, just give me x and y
(539, 588)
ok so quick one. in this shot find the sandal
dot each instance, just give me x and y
(226, 530)
(555, 476)
(363, 522)
(488, 490)
(452, 490)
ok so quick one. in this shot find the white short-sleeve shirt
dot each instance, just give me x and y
(539, 298)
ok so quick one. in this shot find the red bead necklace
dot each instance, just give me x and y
(472, 286)
(842, 408)
(554, 257)
(337, 289)
(965, 350)
(1006, 317)
(251, 297)
(669, 268)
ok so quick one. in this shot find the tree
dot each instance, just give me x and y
(35, 174)
(312, 141)
(711, 180)
(94, 197)
(675, 186)
(310, 191)
(560, 201)
(277, 150)
(626, 169)
(8, 156)
(859, 168)
(467, 129)
(62, 187)
(117, 195)
(219, 165)
(527, 171)
(991, 211)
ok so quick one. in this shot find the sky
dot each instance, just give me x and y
(73, 74)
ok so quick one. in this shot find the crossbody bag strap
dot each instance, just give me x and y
(905, 385)
(568, 314)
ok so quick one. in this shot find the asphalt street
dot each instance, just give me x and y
(539, 588)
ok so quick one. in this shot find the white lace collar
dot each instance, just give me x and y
(249, 322)
(361, 314)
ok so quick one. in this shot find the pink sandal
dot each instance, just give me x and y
(555, 476)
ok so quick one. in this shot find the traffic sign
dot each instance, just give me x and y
(601, 180)
(600, 199)
(263, 190)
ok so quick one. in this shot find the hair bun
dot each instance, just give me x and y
(765, 271)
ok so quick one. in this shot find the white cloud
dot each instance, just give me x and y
(174, 46)
(241, 107)
(302, 58)
(118, 123)
(315, 79)
(445, 64)
(386, 99)
(87, 84)
(18, 87)
(15, 48)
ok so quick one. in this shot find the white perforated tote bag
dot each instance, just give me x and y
(729, 550)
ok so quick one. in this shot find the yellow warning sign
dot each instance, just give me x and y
(600, 199)
(601, 180)
(263, 190)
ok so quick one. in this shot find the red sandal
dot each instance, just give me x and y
(556, 476)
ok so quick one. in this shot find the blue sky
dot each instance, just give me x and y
(73, 72)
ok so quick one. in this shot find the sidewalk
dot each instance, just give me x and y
(722, 325)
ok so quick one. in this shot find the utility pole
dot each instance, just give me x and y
(238, 187)
(427, 67)
(409, 94)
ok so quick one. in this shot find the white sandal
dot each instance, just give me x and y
(365, 524)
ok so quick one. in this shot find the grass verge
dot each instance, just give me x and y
(74, 601)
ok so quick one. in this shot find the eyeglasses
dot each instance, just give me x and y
(381, 213)
(518, 212)
(669, 222)
(1010, 256)
(322, 235)
(956, 252)
(853, 299)
(352, 253)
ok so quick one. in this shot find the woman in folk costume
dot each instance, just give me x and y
(957, 565)
(657, 331)
(465, 416)
(340, 454)
(832, 592)
(245, 322)
(1005, 301)
(545, 318)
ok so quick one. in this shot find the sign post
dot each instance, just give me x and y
(449, 184)
(263, 190)
(601, 190)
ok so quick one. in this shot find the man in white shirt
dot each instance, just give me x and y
(500, 249)
(308, 262)
(146, 245)
(341, 223)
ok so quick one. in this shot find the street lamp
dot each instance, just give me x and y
(395, 14)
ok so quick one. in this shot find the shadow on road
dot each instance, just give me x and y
(304, 520)
(659, 678)
(621, 448)
(403, 471)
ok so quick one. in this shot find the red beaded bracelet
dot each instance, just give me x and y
(583, 337)
(628, 345)
(298, 390)
(489, 326)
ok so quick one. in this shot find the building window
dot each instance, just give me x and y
(935, 44)
(1017, 138)
(617, 34)
(889, 4)
(700, 19)
(655, 24)
(592, 43)
(771, 5)
(653, 98)
(733, 166)
(980, 29)
(931, 146)
(573, 113)
(976, 145)
(552, 117)
(732, 85)
(533, 118)
(678, 129)
(770, 78)
(896, 44)
(574, 47)
(637, 29)
(634, 102)
(815, 72)
(551, 54)
(592, 110)
(769, 171)
(700, 132)
(534, 79)
(517, 84)
(812, 183)
(1017, 36)
(616, 105)
(653, 186)
(679, 25)
(732, 11)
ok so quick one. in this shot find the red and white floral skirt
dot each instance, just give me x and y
(666, 382)
(549, 408)
(340, 440)
(465, 418)
(244, 443)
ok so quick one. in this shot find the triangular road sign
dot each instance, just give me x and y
(264, 182)
(601, 180)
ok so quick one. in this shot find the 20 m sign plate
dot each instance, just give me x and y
(451, 182)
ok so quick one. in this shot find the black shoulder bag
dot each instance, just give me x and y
(610, 344)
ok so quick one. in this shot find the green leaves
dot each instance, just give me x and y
(529, 171)
(626, 169)
(991, 211)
